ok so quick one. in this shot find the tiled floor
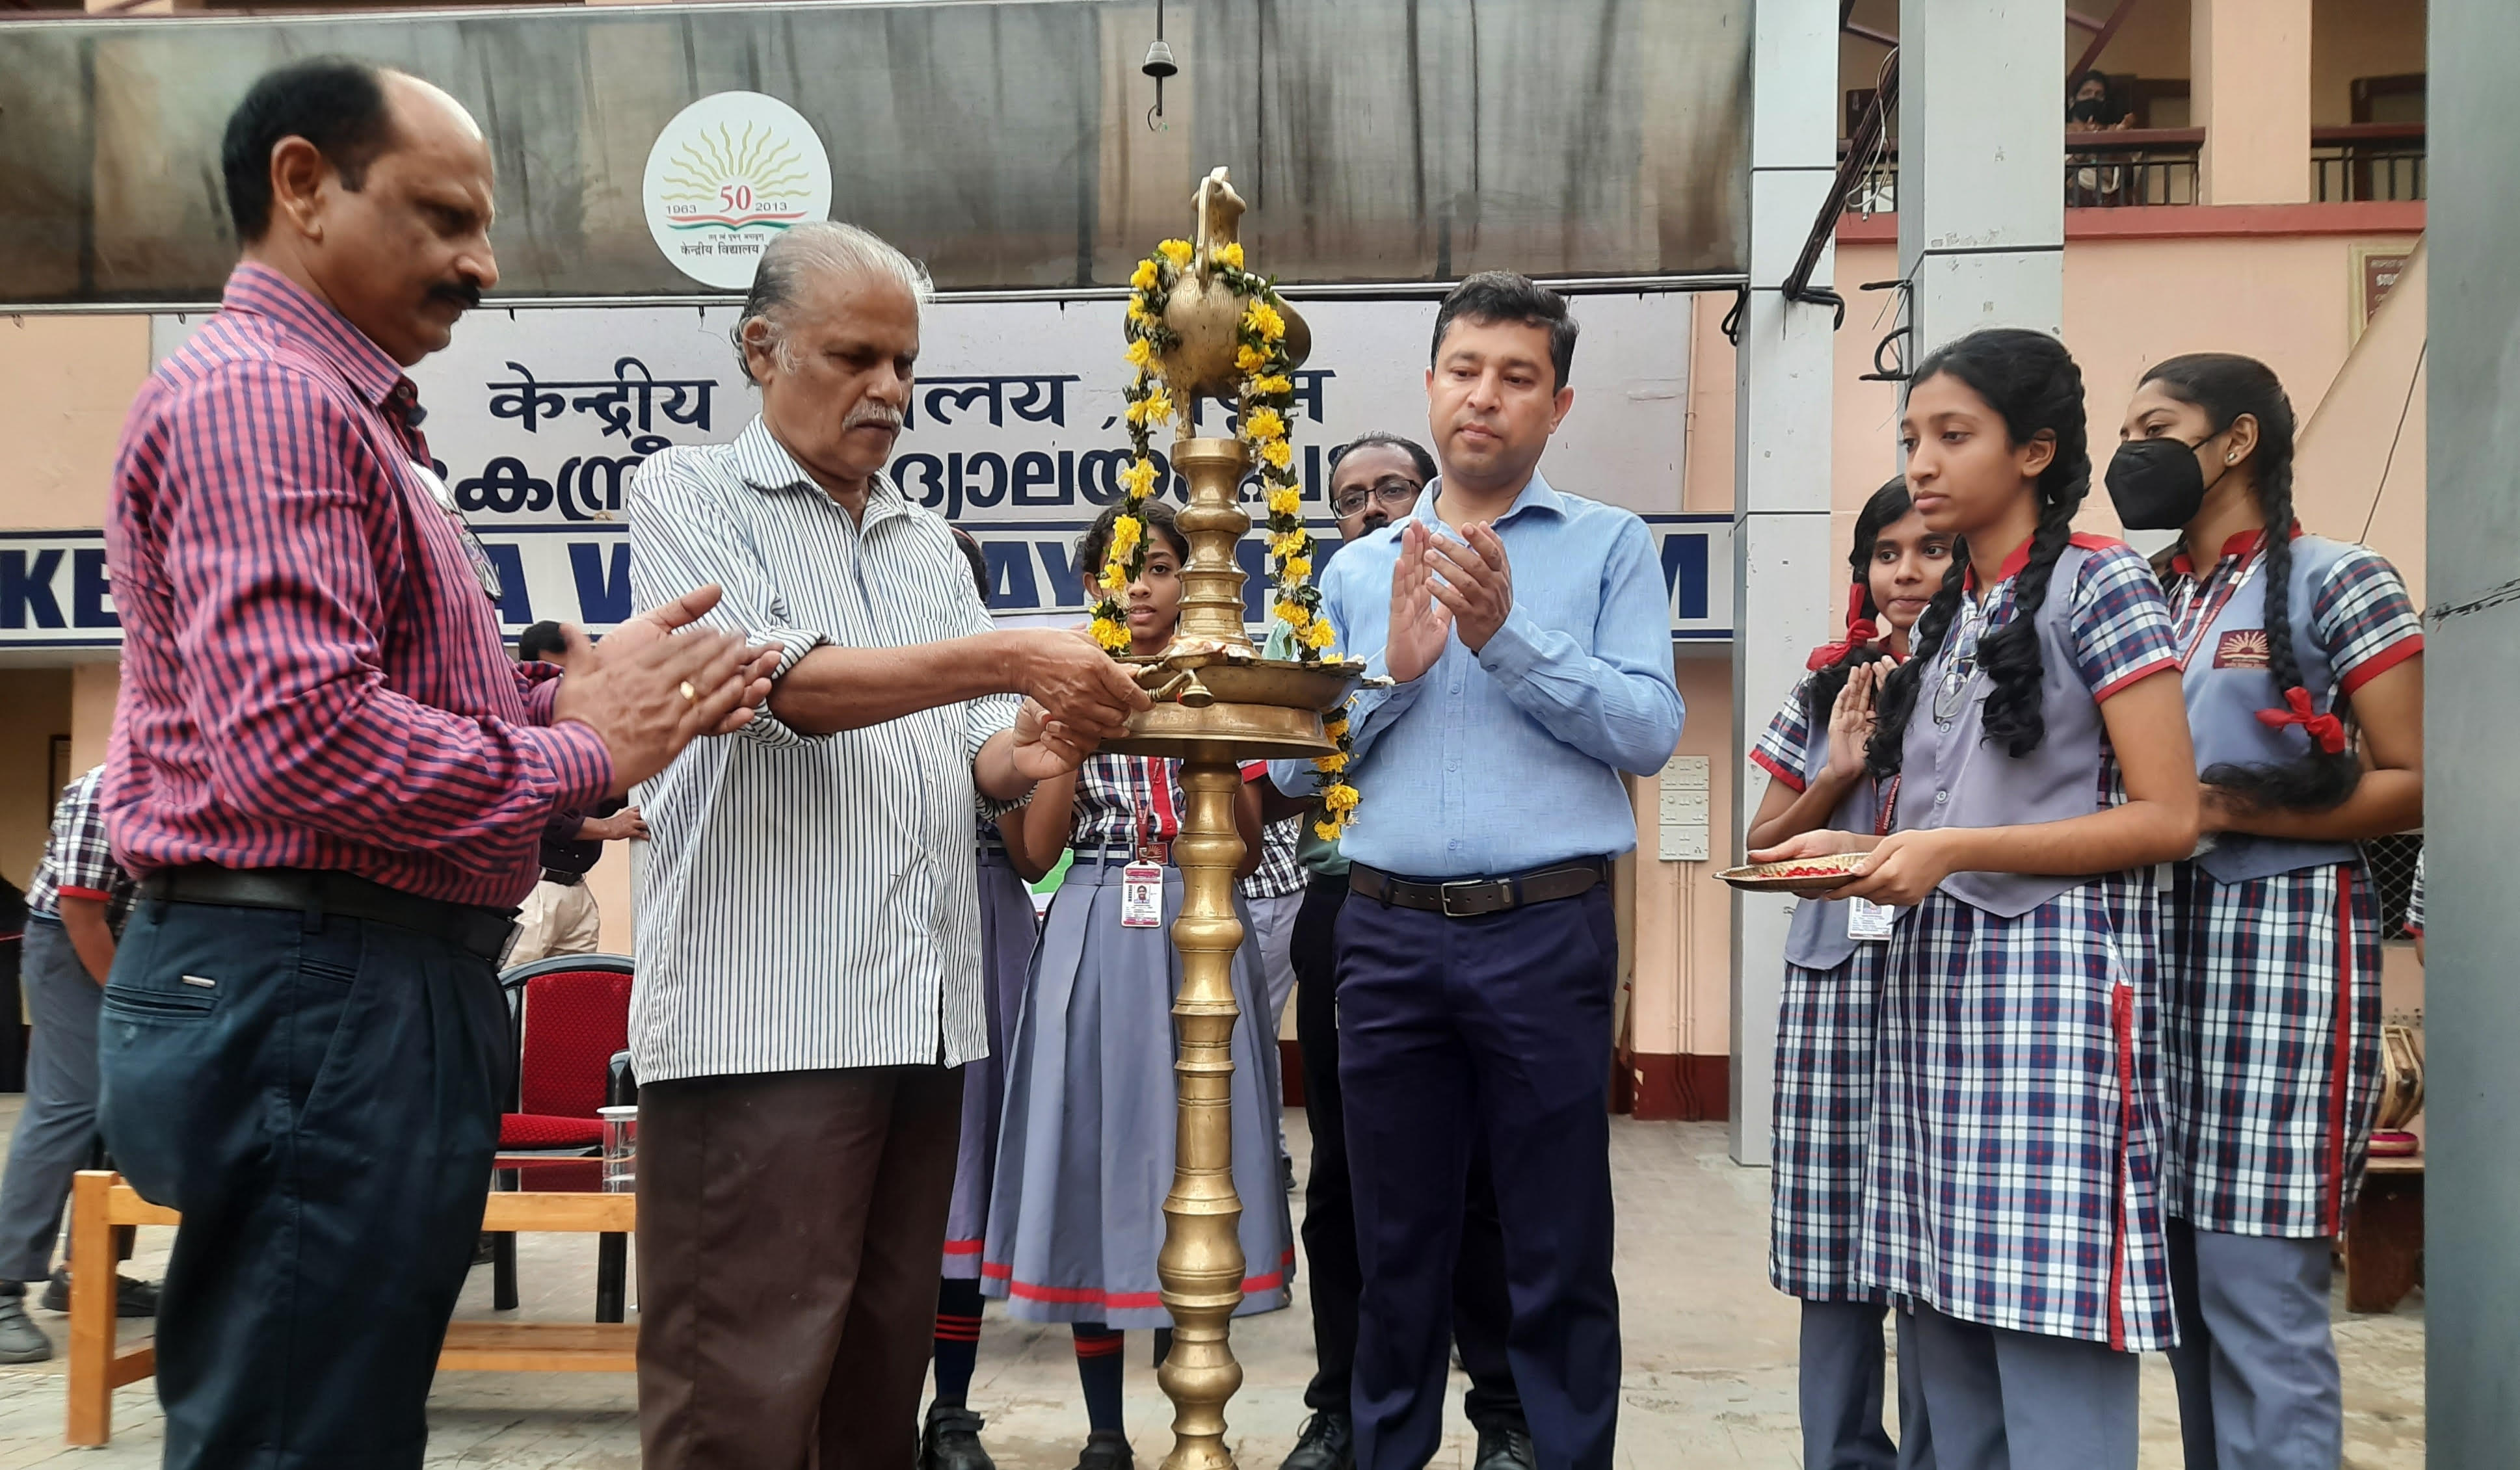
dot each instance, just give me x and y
(1710, 1347)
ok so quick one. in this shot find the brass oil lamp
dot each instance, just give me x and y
(1217, 703)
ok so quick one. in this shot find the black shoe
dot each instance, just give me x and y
(1505, 1450)
(1105, 1449)
(20, 1339)
(952, 1439)
(1327, 1443)
(130, 1298)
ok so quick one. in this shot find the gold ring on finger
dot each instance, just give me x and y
(689, 694)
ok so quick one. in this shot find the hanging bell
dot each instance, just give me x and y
(1159, 61)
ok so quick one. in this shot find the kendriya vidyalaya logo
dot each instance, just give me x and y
(726, 176)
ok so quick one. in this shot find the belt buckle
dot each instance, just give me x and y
(1444, 894)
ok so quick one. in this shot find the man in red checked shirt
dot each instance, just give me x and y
(330, 779)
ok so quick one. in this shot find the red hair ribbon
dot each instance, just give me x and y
(2327, 729)
(1860, 633)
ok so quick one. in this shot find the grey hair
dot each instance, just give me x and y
(815, 247)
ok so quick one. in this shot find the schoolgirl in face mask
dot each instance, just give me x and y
(2271, 938)
(1813, 751)
(2043, 767)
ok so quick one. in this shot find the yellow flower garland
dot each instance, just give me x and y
(1267, 409)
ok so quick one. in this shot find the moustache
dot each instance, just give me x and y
(873, 415)
(463, 293)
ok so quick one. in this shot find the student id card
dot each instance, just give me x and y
(1142, 895)
(1866, 919)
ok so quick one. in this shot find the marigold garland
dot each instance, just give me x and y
(1338, 797)
(1264, 423)
(1148, 404)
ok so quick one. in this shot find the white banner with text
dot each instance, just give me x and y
(539, 420)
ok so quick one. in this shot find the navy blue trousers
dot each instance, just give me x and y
(1480, 1309)
(320, 1098)
(1451, 1031)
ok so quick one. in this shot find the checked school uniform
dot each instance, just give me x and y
(1823, 1122)
(1085, 1153)
(2270, 962)
(2011, 1188)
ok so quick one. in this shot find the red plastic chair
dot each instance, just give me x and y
(571, 1012)
(568, 1015)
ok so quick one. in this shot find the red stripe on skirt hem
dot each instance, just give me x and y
(2341, 1065)
(1089, 1296)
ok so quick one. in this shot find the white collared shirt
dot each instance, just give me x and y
(807, 903)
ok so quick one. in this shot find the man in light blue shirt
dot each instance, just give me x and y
(1529, 638)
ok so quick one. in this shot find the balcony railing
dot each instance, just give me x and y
(2132, 166)
(2368, 160)
(2150, 167)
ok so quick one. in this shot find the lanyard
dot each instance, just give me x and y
(1961, 668)
(1146, 827)
(2189, 598)
(484, 570)
(1889, 805)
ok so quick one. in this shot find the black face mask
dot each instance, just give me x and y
(2155, 484)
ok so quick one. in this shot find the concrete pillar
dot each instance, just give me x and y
(2472, 531)
(1780, 579)
(2249, 90)
(1981, 167)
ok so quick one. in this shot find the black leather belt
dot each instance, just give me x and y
(1468, 898)
(562, 876)
(471, 927)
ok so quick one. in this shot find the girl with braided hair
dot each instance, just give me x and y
(2037, 766)
(1813, 752)
(2271, 937)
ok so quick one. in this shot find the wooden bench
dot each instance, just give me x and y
(2384, 1240)
(101, 1201)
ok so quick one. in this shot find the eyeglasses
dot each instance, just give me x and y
(1391, 494)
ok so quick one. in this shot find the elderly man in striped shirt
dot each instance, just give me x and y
(330, 780)
(809, 952)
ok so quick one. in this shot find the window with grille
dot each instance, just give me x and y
(2393, 873)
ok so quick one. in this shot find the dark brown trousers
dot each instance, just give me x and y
(791, 1227)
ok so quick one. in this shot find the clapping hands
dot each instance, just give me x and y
(1439, 585)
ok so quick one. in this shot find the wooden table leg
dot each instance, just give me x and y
(2384, 1241)
(92, 1309)
(503, 1249)
(612, 1265)
(503, 1271)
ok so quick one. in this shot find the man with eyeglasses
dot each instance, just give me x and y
(1375, 481)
